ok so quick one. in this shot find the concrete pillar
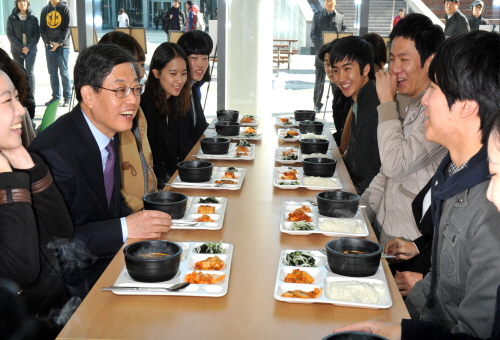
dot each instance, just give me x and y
(364, 13)
(248, 67)
(85, 23)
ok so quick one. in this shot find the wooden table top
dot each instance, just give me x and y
(248, 311)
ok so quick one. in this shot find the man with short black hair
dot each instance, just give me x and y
(456, 21)
(327, 19)
(475, 20)
(351, 60)
(81, 149)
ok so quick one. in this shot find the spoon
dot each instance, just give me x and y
(384, 256)
(179, 286)
(174, 288)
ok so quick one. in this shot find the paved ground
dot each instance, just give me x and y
(293, 88)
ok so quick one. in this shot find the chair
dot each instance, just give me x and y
(50, 115)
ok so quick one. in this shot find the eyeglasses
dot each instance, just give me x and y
(123, 92)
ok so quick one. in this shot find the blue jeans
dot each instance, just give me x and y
(58, 60)
(28, 63)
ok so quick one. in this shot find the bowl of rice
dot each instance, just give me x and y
(337, 203)
(353, 336)
(353, 256)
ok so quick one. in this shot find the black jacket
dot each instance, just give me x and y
(170, 22)
(54, 24)
(193, 132)
(16, 27)
(475, 22)
(362, 158)
(456, 24)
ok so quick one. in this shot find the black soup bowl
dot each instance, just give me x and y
(215, 146)
(353, 336)
(172, 203)
(337, 203)
(307, 126)
(227, 115)
(227, 128)
(304, 115)
(319, 166)
(353, 256)
(195, 171)
(314, 145)
(146, 260)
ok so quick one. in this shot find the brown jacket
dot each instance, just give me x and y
(134, 183)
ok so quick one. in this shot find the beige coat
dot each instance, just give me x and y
(408, 163)
(134, 183)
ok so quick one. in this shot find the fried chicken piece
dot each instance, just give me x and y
(229, 175)
(204, 218)
(299, 276)
(206, 209)
(211, 263)
(289, 175)
(242, 148)
(293, 132)
(247, 119)
(200, 278)
(304, 209)
(297, 216)
(303, 295)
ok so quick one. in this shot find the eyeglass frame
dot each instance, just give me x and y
(127, 90)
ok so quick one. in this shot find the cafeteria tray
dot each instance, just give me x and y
(192, 214)
(336, 184)
(188, 259)
(242, 135)
(322, 278)
(230, 155)
(283, 132)
(291, 121)
(295, 150)
(316, 220)
(217, 174)
(255, 120)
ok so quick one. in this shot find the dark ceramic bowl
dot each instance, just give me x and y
(304, 115)
(307, 126)
(227, 128)
(172, 203)
(353, 336)
(215, 146)
(195, 171)
(227, 115)
(362, 257)
(152, 269)
(317, 166)
(314, 145)
(337, 203)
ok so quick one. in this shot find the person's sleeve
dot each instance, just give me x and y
(65, 27)
(372, 196)
(14, 41)
(43, 27)
(316, 37)
(343, 26)
(417, 298)
(402, 155)
(36, 36)
(182, 20)
(464, 25)
(100, 236)
(418, 329)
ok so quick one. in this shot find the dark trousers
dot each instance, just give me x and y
(319, 86)
(29, 64)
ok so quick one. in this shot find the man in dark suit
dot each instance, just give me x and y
(328, 19)
(456, 21)
(81, 151)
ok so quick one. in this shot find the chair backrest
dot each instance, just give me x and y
(50, 115)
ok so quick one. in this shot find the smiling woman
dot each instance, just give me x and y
(165, 104)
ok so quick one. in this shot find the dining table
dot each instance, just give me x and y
(248, 310)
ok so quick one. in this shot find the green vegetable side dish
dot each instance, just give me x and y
(300, 259)
(243, 142)
(210, 199)
(289, 183)
(290, 157)
(231, 169)
(301, 226)
(288, 135)
(210, 248)
(249, 135)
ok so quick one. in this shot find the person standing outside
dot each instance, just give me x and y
(123, 20)
(23, 32)
(477, 8)
(328, 19)
(54, 29)
(401, 15)
(157, 18)
(175, 18)
(456, 21)
(192, 12)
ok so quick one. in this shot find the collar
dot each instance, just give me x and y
(101, 139)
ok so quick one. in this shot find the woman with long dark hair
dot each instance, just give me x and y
(165, 104)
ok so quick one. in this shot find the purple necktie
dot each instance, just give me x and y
(109, 171)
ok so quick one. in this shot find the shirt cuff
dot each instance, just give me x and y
(123, 221)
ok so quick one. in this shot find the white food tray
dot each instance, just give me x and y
(192, 214)
(231, 155)
(290, 206)
(283, 132)
(255, 121)
(295, 150)
(322, 278)
(242, 135)
(294, 184)
(291, 121)
(217, 174)
(188, 259)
